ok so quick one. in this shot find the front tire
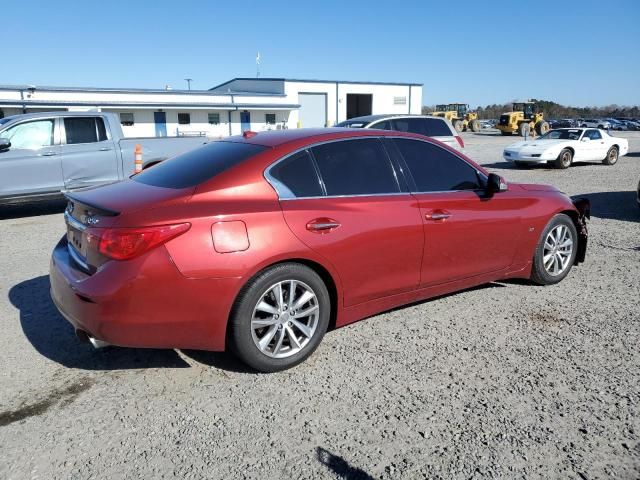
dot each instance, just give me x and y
(279, 317)
(458, 125)
(524, 129)
(555, 252)
(612, 156)
(475, 126)
(542, 127)
(564, 159)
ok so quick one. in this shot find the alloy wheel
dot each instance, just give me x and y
(285, 318)
(557, 250)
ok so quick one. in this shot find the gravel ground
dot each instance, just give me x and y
(508, 380)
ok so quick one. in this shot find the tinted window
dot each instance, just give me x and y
(435, 169)
(355, 167)
(296, 177)
(431, 127)
(84, 130)
(593, 134)
(197, 166)
(30, 135)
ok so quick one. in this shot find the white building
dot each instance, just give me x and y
(227, 109)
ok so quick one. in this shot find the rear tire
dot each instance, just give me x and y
(555, 252)
(475, 126)
(612, 156)
(564, 159)
(263, 331)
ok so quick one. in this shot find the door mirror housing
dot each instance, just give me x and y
(586, 139)
(495, 184)
(5, 144)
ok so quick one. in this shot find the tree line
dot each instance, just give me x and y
(555, 110)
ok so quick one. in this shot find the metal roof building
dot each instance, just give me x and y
(226, 109)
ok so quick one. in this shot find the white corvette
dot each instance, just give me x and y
(566, 145)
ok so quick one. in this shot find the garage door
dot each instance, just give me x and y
(313, 109)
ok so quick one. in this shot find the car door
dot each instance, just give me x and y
(32, 163)
(88, 154)
(343, 199)
(596, 147)
(466, 233)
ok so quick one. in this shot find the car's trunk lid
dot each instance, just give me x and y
(89, 210)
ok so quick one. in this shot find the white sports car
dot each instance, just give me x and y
(565, 145)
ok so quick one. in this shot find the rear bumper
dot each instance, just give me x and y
(144, 302)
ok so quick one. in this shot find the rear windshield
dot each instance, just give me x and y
(197, 166)
(352, 124)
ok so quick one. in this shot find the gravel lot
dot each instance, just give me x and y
(505, 381)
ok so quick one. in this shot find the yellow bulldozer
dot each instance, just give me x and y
(459, 115)
(526, 120)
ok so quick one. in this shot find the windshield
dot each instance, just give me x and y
(350, 124)
(562, 134)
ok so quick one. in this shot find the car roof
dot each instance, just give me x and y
(373, 118)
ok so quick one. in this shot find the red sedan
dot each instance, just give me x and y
(261, 243)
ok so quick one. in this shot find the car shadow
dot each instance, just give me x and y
(535, 166)
(32, 209)
(633, 154)
(340, 467)
(220, 360)
(53, 337)
(613, 205)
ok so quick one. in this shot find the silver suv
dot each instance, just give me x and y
(434, 127)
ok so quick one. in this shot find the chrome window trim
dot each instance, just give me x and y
(278, 186)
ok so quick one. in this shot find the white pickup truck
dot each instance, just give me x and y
(42, 154)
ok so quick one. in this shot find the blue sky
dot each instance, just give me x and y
(573, 52)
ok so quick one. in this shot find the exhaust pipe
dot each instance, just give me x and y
(84, 337)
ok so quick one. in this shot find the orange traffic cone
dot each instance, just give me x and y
(138, 158)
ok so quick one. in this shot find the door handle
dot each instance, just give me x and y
(437, 215)
(49, 154)
(105, 149)
(322, 225)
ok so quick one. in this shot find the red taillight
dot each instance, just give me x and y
(460, 141)
(127, 243)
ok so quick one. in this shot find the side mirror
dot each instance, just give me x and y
(5, 144)
(585, 139)
(495, 184)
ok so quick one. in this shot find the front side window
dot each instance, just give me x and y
(355, 167)
(184, 118)
(435, 169)
(270, 118)
(30, 135)
(295, 176)
(84, 130)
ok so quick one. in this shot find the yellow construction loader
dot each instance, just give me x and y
(459, 115)
(526, 119)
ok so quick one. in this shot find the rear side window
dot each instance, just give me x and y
(295, 176)
(197, 166)
(430, 127)
(84, 130)
(355, 167)
(435, 169)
